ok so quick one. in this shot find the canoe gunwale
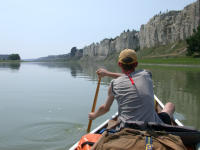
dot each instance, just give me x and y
(162, 106)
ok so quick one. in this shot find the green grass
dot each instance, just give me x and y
(174, 53)
(181, 60)
(160, 67)
(177, 49)
(112, 58)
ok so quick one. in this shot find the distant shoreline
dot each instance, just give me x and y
(11, 61)
(179, 61)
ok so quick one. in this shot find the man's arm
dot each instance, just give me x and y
(103, 72)
(103, 108)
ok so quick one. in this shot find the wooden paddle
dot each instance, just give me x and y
(94, 104)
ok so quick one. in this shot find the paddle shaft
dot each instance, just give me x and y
(94, 104)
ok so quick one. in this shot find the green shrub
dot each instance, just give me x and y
(193, 43)
(14, 57)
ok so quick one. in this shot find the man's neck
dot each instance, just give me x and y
(128, 71)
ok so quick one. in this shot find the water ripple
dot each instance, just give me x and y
(49, 131)
(52, 135)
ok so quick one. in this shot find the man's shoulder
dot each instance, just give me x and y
(119, 78)
(142, 71)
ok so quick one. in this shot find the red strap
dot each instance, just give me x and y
(131, 79)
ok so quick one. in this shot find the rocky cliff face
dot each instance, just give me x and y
(162, 29)
(129, 39)
(170, 27)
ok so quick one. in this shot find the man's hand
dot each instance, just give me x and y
(91, 116)
(102, 72)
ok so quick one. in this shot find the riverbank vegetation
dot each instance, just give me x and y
(174, 53)
(181, 60)
(193, 42)
(177, 49)
(11, 57)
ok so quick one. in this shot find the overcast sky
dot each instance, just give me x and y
(36, 28)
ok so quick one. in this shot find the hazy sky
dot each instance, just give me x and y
(35, 28)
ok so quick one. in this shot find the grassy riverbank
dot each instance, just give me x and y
(174, 53)
(169, 60)
(181, 60)
(113, 59)
(176, 49)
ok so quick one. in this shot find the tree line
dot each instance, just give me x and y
(14, 57)
(10, 57)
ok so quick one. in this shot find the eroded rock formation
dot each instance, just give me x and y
(162, 29)
(129, 39)
(169, 27)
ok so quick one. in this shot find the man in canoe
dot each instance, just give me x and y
(133, 91)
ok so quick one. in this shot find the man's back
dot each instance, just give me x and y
(135, 102)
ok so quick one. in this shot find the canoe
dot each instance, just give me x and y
(159, 106)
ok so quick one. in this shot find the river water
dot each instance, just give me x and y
(44, 106)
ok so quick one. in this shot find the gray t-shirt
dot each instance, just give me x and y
(135, 102)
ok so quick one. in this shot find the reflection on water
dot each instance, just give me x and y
(46, 104)
(82, 70)
(179, 84)
(14, 65)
